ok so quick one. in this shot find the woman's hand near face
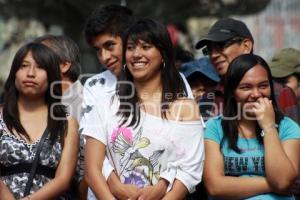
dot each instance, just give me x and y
(277, 151)
(264, 112)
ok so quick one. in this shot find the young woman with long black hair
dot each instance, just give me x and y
(149, 130)
(32, 114)
(252, 151)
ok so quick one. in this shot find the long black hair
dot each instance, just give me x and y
(156, 34)
(48, 61)
(236, 71)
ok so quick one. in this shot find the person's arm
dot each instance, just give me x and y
(89, 116)
(88, 103)
(5, 193)
(94, 157)
(122, 191)
(66, 168)
(286, 153)
(228, 187)
(178, 191)
(153, 192)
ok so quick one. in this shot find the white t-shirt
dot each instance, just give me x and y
(156, 148)
(95, 88)
(104, 83)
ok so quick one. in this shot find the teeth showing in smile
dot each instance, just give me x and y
(139, 64)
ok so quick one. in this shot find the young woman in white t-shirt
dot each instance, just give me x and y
(151, 133)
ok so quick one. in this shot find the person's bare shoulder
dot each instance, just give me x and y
(184, 109)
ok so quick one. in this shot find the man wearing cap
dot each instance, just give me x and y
(285, 66)
(226, 39)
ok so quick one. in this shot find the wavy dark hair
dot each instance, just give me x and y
(156, 34)
(47, 60)
(236, 71)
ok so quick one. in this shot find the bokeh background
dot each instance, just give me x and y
(275, 24)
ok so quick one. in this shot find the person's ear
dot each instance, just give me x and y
(64, 67)
(247, 45)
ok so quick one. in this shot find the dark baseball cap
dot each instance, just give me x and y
(225, 29)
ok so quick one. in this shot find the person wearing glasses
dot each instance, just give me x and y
(226, 39)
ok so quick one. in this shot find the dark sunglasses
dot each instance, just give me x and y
(220, 46)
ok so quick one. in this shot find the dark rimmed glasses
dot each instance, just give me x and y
(220, 46)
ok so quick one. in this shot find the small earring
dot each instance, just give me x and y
(124, 67)
(164, 64)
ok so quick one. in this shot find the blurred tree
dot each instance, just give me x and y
(71, 14)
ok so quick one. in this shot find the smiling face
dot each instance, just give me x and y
(109, 51)
(221, 54)
(143, 60)
(254, 85)
(31, 80)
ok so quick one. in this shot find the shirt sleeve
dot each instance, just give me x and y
(288, 129)
(89, 96)
(185, 161)
(93, 124)
(213, 130)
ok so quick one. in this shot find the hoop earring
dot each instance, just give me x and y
(124, 67)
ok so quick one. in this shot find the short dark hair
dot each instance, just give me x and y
(236, 71)
(67, 51)
(112, 19)
(49, 61)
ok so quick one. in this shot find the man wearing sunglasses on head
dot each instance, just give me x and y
(226, 39)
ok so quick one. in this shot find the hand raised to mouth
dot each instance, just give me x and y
(264, 112)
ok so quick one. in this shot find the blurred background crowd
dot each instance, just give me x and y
(275, 24)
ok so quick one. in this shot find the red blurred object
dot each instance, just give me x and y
(174, 33)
